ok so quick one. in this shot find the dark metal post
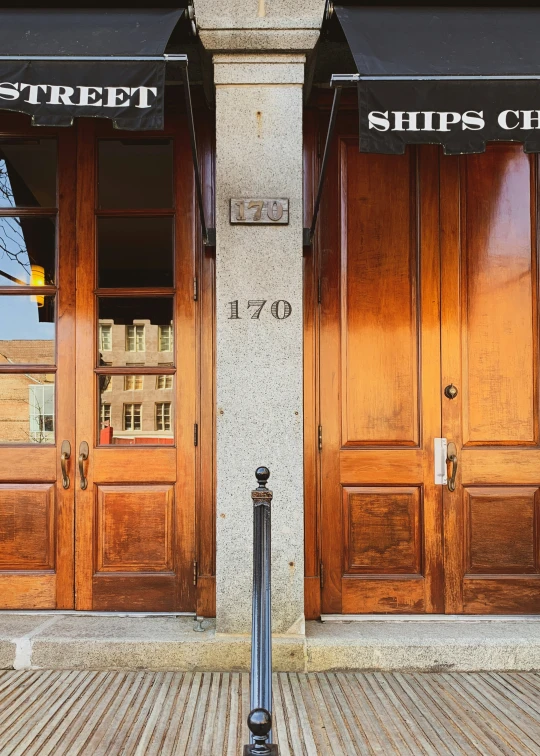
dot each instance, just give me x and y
(260, 717)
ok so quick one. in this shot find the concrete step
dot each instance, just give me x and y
(60, 641)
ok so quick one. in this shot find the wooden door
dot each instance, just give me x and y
(380, 398)
(490, 353)
(37, 364)
(136, 370)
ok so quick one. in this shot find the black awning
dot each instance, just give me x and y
(56, 65)
(453, 76)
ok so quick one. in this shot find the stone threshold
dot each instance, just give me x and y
(68, 641)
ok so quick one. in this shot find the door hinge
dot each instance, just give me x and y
(321, 574)
(196, 434)
(319, 291)
(195, 289)
(319, 436)
(195, 571)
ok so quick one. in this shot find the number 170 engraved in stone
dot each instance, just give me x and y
(260, 211)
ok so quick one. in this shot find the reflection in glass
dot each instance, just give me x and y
(26, 408)
(27, 251)
(27, 173)
(135, 252)
(135, 173)
(27, 330)
(139, 331)
(136, 410)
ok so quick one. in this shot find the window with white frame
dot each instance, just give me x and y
(133, 382)
(165, 338)
(41, 403)
(164, 382)
(105, 415)
(132, 417)
(105, 338)
(135, 338)
(163, 416)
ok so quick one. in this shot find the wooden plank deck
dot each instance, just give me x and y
(194, 714)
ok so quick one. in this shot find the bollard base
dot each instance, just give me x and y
(270, 749)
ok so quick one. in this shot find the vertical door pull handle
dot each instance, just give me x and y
(65, 454)
(452, 457)
(83, 456)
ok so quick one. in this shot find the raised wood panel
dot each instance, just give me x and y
(499, 295)
(380, 330)
(501, 530)
(382, 529)
(28, 591)
(27, 519)
(134, 528)
(369, 596)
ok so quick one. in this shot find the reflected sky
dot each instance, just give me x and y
(19, 319)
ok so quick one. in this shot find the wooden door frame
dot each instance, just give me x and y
(316, 118)
(196, 479)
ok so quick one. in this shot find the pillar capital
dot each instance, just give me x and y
(257, 25)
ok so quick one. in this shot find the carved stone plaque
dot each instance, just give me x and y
(267, 212)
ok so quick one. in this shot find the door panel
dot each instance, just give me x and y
(379, 307)
(489, 347)
(37, 398)
(380, 377)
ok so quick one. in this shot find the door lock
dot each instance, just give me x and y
(450, 391)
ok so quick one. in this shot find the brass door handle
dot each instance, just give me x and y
(65, 454)
(451, 456)
(83, 456)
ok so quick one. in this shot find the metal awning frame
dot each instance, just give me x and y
(208, 234)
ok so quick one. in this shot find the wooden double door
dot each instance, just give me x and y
(429, 329)
(97, 368)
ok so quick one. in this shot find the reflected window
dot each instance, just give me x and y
(105, 415)
(27, 408)
(135, 338)
(164, 382)
(133, 382)
(27, 173)
(27, 251)
(135, 173)
(135, 330)
(132, 417)
(41, 408)
(163, 416)
(105, 338)
(27, 330)
(165, 338)
(135, 252)
(135, 419)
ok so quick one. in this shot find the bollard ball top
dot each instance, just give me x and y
(259, 722)
(262, 474)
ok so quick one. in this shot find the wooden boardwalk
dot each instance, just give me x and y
(166, 713)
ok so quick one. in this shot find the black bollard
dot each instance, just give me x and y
(260, 717)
